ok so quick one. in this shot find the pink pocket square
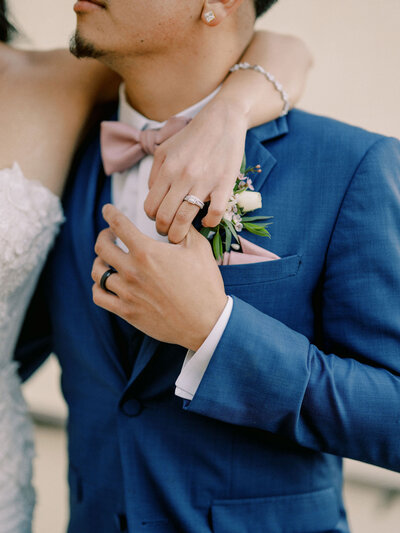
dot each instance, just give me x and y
(251, 253)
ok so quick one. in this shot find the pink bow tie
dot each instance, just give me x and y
(122, 146)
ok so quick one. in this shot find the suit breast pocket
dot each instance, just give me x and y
(268, 286)
(265, 272)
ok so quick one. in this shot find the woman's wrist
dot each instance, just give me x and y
(286, 58)
(236, 98)
(270, 78)
(233, 110)
(252, 96)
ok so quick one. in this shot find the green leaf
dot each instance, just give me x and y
(250, 219)
(228, 239)
(260, 232)
(249, 225)
(243, 165)
(265, 224)
(231, 228)
(257, 230)
(217, 245)
(205, 232)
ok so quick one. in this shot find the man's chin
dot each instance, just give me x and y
(81, 47)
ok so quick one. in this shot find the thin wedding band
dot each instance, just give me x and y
(105, 277)
(191, 199)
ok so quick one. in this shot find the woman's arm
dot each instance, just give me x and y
(50, 96)
(284, 56)
(206, 156)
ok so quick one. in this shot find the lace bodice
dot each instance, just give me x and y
(29, 219)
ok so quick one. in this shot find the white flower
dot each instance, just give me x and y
(228, 215)
(249, 201)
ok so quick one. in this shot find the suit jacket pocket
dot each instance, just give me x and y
(266, 271)
(312, 512)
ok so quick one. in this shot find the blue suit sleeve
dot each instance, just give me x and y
(35, 341)
(343, 397)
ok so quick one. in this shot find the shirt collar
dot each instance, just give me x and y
(129, 115)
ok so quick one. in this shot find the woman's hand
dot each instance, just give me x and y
(204, 159)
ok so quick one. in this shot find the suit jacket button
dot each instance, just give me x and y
(131, 407)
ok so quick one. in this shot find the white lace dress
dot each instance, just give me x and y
(30, 216)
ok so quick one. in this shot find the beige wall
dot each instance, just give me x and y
(356, 45)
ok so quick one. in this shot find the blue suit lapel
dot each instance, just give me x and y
(82, 213)
(256, 154)
(147, 350)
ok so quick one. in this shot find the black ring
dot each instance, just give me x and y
(105, 277)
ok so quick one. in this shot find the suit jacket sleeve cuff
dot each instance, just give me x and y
(196, 363)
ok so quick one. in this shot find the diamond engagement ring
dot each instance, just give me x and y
(191, 199)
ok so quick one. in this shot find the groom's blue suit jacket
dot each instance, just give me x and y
(307, 370)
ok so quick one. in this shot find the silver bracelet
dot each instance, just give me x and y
(270, 77)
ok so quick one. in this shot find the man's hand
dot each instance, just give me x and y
(204, 160)
(173, 293)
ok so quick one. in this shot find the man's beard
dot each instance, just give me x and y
(80, 48)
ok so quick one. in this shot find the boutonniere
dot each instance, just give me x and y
(243, 200)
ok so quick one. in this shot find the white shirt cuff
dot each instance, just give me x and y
(196, 363)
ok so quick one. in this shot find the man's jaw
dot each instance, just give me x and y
(80, 47)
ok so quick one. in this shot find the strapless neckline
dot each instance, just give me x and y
(30, 216)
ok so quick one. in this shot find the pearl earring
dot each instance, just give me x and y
(209, 16)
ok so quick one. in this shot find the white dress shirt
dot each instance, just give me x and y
(129, 191)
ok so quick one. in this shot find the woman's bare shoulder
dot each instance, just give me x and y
(10, 60)
(49, 97)
(53, 68)
(59, 72)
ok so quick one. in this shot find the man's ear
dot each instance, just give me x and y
(215, 11)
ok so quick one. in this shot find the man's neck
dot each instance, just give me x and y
(160, 87)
